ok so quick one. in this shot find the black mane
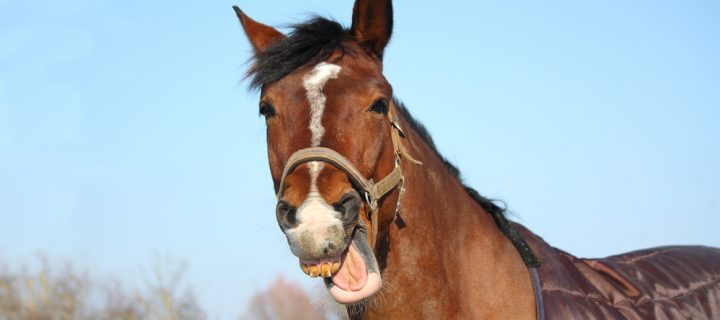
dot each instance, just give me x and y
(309, 43)
(489, 205)
(313, 42)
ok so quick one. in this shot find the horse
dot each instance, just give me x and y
(368, 204)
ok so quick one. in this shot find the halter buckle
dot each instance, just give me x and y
(370, 199)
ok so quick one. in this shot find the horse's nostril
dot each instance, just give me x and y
(285, 215)
(348, 206)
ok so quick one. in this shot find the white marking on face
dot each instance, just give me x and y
(314, 82)
(315, 167)
(319, 226)
(318, 221)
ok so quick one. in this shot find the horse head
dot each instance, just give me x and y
(334, 145)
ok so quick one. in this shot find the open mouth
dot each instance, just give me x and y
(352, 276)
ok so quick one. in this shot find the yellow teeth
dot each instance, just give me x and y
(305, 268)
(314, 271)
(324, 269)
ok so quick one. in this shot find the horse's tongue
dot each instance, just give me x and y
(352, 275)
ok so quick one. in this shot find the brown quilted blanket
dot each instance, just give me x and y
(680, 282)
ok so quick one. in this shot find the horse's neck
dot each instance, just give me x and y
(444, 256)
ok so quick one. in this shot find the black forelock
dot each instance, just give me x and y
(308, 43)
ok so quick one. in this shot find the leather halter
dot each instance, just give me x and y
(374, 191)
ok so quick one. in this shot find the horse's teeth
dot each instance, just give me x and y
(314, 271)
(325, 270)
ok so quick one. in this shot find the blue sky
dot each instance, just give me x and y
(126, 131)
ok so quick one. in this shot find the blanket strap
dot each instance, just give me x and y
(539, 303)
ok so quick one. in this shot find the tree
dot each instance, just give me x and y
(282, 300)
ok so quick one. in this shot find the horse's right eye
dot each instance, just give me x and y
(267, 110)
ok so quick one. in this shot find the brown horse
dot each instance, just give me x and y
(368, 204)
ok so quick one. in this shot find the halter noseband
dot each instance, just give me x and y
(374, 191)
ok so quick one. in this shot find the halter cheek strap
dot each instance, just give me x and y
(374, 191)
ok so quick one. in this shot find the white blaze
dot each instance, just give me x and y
(314, 82)
(316, 217)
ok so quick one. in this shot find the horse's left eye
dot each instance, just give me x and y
(379, 106)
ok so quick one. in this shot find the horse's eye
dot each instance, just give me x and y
(379, 106)
(267, 110)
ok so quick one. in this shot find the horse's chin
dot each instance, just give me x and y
(358, 277)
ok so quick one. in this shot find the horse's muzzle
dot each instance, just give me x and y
(317, 231)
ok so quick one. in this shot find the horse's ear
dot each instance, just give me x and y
(372, 24)
(261, 36)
